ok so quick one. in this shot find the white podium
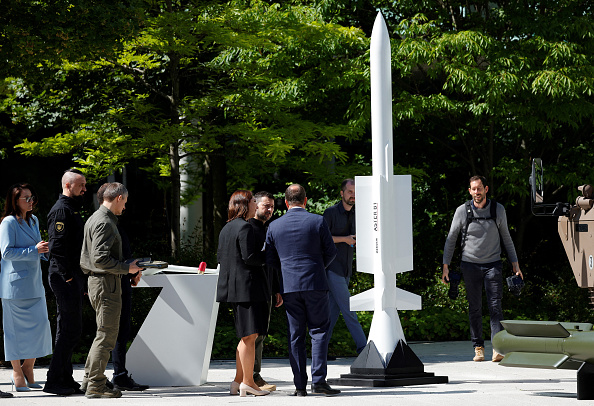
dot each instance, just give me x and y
(174, 344)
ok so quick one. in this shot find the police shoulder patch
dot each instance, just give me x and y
(59, 226)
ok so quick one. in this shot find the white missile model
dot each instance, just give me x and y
(383, 212)
(384, 242)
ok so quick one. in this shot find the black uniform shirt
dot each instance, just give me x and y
(66, 230)
(341, 223)
(269, 271)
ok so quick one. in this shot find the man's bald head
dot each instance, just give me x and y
(74, 183)
(295, 195)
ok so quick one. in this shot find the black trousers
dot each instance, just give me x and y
(69, 301)
(489, 276)
(118, 354)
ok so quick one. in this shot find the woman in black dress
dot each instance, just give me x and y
(242, 283)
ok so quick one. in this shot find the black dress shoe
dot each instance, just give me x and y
(72, 384)
(300, 392)
(330, 358)
(57, 389)
(323, 389)
(125, 382)
(76, 387)
(5, 394)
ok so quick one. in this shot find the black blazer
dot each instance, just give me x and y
(241, 276)
(270, 273)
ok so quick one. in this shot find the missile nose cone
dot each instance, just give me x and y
(381, 99)
(379, 34)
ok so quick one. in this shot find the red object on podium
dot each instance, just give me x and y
(202, 267)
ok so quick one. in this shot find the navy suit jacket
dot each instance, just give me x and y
(301, 246)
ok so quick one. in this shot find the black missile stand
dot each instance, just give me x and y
(585, 381)
(404, 369)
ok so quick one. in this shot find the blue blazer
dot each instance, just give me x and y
(301, 246)
(20, 272)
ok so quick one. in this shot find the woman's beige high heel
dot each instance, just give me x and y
(245, 389)
(234, 388)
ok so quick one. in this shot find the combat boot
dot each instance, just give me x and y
(496, 356)
(479, 354)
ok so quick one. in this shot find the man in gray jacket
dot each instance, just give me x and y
(482, 230)
(102, 260)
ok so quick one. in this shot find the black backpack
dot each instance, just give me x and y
(456, 276)
(470, 217)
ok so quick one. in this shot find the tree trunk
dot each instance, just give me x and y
(220, 194)
(175, 199)
(215, 200)
(208, 239)
(174, 155)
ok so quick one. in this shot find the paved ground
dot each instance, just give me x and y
(470, 383)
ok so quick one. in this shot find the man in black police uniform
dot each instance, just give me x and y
(65, 228)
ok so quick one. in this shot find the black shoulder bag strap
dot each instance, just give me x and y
(470, 218)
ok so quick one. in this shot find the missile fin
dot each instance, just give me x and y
(528, 328)
(396, 227)
(364, 223)
(407, 301)
(538, 360)
(363, 301)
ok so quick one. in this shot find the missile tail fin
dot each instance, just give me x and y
(363, 301)
(527, 328)
(364, 223)
(539, 360)
(407, 301)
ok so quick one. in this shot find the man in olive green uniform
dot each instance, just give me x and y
(102, 260)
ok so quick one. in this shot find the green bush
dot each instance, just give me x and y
(550, 294)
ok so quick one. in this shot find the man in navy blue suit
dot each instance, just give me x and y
(300, 245)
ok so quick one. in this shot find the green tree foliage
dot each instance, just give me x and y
(481, 87)
(497, 82)
(262, 94)
(262, 86)
(36, 34)
(494, 83)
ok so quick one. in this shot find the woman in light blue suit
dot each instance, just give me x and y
(27, 332)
